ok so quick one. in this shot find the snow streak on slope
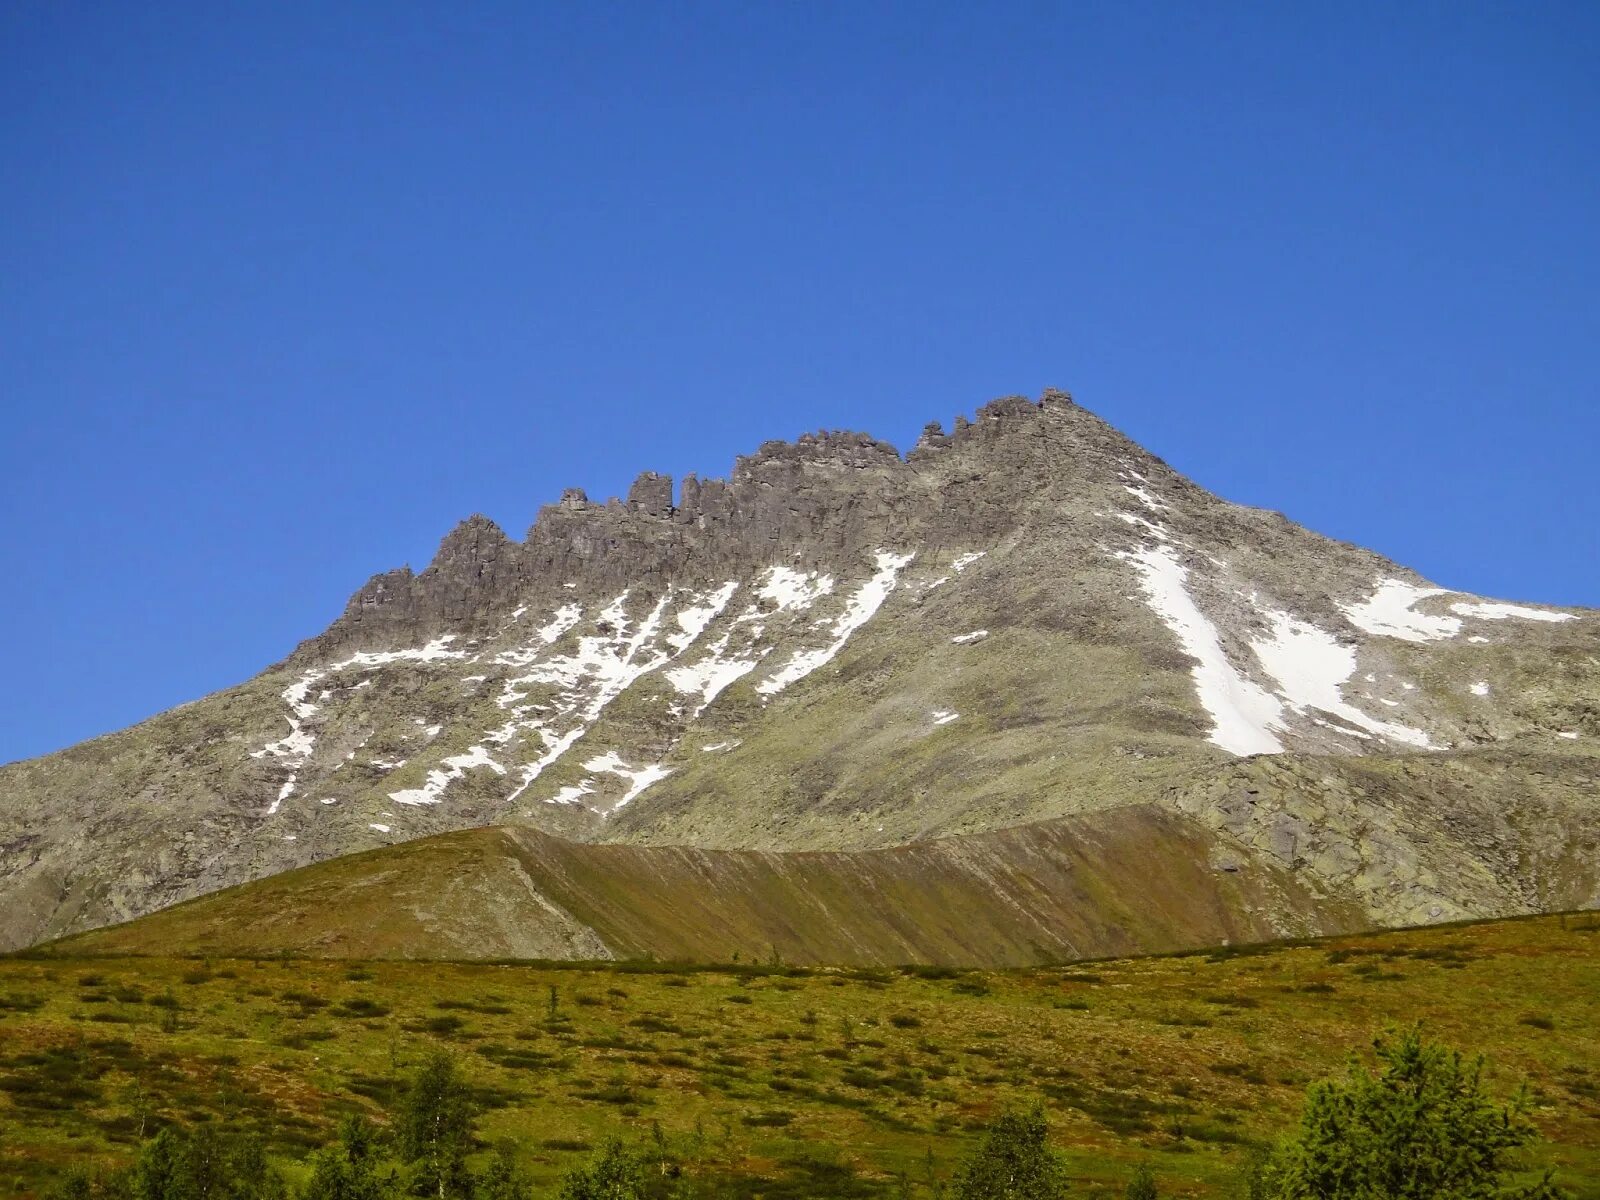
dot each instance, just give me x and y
(790, 590)
(1243, 713)
(448, 771)
(1487, 610)
(866, 602)
(294, 749)
(1389, 612)
(1311, 666)
(706, 679)
(638, 778)
(601, 669)
(692, 621)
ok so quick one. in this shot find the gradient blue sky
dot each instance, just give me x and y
(287, 289)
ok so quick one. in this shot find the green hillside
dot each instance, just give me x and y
(787, 1081)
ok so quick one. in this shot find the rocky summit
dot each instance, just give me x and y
(1212, 723)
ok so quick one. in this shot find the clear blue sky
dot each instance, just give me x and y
(287, 289)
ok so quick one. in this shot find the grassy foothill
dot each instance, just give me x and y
(776, 1081)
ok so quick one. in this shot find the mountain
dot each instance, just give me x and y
(1027, 619)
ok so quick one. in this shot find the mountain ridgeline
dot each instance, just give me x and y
(1024, 693)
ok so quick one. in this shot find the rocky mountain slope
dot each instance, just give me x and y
(838, 648)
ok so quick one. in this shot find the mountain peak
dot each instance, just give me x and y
(835, 647)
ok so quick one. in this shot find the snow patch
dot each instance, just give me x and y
(789, 589)
(863, 605)
(603, 666)
(1570, 734)
(447, 772)
(573, 793)
(977, 635)
(1489, 610)
(1145, 498)
(943, 716)
(1243, 714)
(564, 619)
(961, 563)
(379, 828)
(1156, 531)
(707, 678)
(1311, 666)
(1481, 688)
(638, 778)
(692, 621)
(1388, 613)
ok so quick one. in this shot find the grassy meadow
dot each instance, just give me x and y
(769, 1081)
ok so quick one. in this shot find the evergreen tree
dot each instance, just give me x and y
(250, 1176)
(613, 1173)
(504, 1178)
(1143, 1184)
(74, 1185)
(1014, 1162)
(1424, 1128)
(436, 1127)
(156, 1172)
(351, 1168)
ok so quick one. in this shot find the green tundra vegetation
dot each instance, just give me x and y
(1248, 1072)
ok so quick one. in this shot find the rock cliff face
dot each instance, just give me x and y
(840, 648)
(825, 500)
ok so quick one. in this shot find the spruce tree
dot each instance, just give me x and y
(156, 1172)
(613, 1174)
(1014, 1162)
(504, 1179)
(1143, 1184)
(351, 1168)
(1423, 1128)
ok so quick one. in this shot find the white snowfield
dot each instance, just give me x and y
(1390, 612)
(1494, 610)
(1272, 676)
(294, 749)
(692, 621)
(866, 602)
(708, 678)
(1311, 667)
(790, 590)
(638, 778)
(1242, 712)
(447, 772)
(1306, 667)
